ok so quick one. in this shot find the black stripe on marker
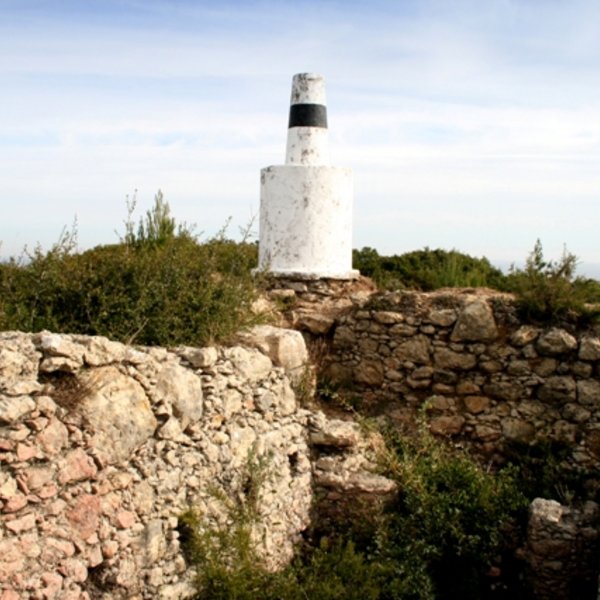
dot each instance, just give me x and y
(308, 115)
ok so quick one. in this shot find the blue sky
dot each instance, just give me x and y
(472, 125)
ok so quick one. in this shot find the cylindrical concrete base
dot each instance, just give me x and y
(306, 222)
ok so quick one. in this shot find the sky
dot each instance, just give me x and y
(469, 124)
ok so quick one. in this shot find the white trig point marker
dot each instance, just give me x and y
(306, 204)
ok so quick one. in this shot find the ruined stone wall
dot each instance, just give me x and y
(562, 550)
(465, 364)
(102, 446)
(465, 361)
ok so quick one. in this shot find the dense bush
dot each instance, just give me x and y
(157, 286)
(451, 520)
(427, 269)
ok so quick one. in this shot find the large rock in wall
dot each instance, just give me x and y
(478, 372)
(102, 446)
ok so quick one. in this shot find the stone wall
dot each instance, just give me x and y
(464, 362)
(562, 550)
(102, 446)
(463, 359)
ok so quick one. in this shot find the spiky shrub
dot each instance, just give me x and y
(548, 290)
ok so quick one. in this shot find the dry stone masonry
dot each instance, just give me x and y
(102, 446)
(463, 360)
(478, 373)
(562, 542)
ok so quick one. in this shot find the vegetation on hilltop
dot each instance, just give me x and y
(546, 291)
(427, 269)
(158, 286)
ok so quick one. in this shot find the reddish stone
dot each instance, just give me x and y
(53, 583)
(449, 425)
(125, 519)
(121, 480)
(110, 503)
(94, 556)
(30, 545)
(38, 423)
(6, 445)
(8, 568)
(103, 487)
(37, 477)
(56, 507)
(476, 404)
(22, 482)
(93, 539)
(21, 524)
(26, 452)
(110, 548)
(9, 595)
(48, 491)
(63, 546)
(75, 569)
(77, 466)
(17, 502)
(53, 438)
(84, 516)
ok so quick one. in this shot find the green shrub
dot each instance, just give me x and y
(427, 269)
(159, 287)
(549, 290)
(228, 567)
(450, 521)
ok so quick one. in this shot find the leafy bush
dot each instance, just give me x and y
(427, 269)
(549, 290)
(450, 521)
(159, 286)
